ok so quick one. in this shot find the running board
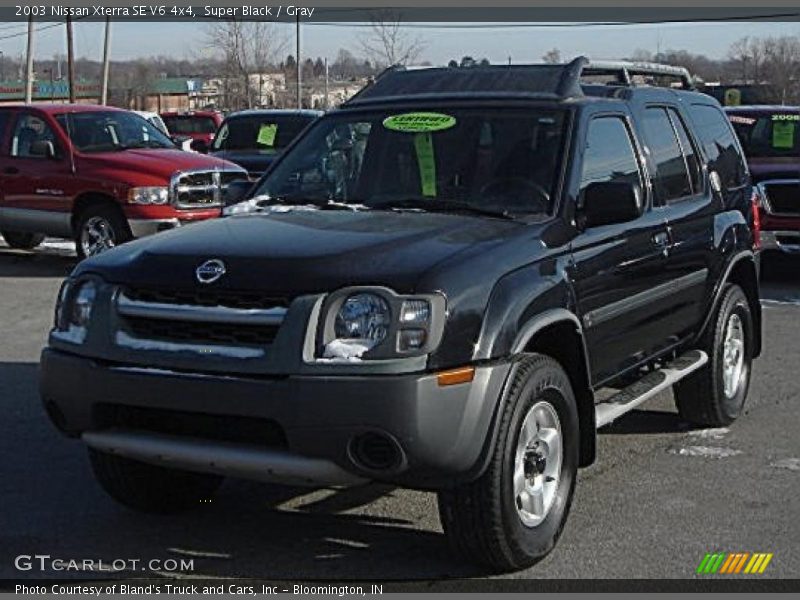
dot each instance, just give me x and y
(648, 386)
(222, 458)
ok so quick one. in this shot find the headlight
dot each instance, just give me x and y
(363, 317)
(74, 309)
(82, 303)
(376, 323)
(148, 195)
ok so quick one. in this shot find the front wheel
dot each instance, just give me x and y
(99, 228)
(512, 516)
(21, 240)
(714, 395)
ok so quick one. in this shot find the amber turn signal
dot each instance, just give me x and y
(455, 376)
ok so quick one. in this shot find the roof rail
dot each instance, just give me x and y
(545, 81)
(627, 71)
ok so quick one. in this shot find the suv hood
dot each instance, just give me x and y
(254, 161)
(153, 162)
(303, 251)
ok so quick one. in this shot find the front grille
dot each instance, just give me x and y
(237, 300)
(201, 317)
(200, 333)
(201, 189)
(241, 430)
(783, 198)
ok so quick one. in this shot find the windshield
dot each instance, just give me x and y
(504, 161)
(188, 124)
(264, 134)
(107, 131)
(768, 135)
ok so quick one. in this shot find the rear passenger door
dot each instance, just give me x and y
(682, 194)
(618, 270)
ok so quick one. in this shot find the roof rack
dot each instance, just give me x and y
(544, 81)
(627, 72)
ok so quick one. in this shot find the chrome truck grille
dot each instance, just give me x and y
(200, 318)
(782, 197)
(202, 188)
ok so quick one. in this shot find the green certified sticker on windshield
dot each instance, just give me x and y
(266, 135)
(419, 122)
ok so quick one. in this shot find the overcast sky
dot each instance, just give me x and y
(185, 40)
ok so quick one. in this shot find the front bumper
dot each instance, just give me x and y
(143, 227)
(442, 434)
(783, 241)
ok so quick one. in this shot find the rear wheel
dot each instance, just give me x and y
(21, 240)
(714, 395)
(100, 227)
(514, 513)
(149, 488)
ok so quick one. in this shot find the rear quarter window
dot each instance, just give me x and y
(720, 144)
(5, 117)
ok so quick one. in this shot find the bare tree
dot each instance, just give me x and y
(782, 66)
(552, 57)
(387, 43)
(248, 49)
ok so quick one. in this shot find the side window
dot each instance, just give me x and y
(609, 154)
(671, 180)
(689, 151)
(720, 145)
(4, 117)
(28, 130)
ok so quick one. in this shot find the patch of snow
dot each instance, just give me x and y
(716, 433)
(792, 464)
(705, 451)
(349, 350)
(127, 341)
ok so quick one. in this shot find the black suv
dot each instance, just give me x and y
(427, 289)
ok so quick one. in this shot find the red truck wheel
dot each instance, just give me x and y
(100, 228)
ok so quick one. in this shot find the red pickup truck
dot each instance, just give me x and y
(100, 176)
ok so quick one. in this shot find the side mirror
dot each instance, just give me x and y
(200, 146)
(236, 191)
(43, 148)
(608, 202)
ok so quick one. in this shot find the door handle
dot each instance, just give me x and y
(661, 238)
(11, 170)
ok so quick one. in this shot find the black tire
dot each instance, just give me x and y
(110, 217)
(481, 518)
(20, 240)
(148, 488)
(701, 397)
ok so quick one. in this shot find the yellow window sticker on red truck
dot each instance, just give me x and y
(419, 122)
(266, 135)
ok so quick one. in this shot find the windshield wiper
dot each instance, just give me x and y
(442, 205)
(140, 145)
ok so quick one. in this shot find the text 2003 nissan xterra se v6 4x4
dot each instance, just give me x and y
(427, 289)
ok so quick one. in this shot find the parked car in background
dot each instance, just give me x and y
(184, 142)
(200, 125)
(770, 136)
(255, 138)
(100, 176)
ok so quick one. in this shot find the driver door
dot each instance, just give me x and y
(618, 269)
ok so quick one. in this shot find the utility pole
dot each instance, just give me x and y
(106, 59)
(299, 67)
(29, 70)
(70, 62)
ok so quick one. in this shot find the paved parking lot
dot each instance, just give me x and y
(660, 496)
